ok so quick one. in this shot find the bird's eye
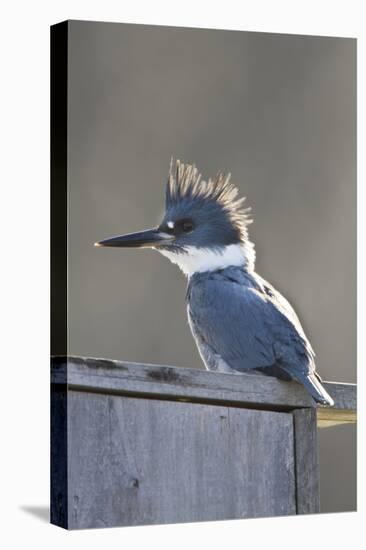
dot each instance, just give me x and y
(187, 226)
(178, 227)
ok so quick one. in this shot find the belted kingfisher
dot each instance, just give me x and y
(239, 321)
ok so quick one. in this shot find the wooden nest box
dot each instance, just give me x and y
(140, 444)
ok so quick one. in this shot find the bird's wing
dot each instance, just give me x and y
(247, 327)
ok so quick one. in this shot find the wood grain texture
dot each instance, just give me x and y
(195, 385)
(150, 444)
(59, 456)
(140, 461)
(306, 462)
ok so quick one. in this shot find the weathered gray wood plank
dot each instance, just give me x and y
(326, 418)
(59, 456)
(165, 382)
(143, 461)
(306, 461)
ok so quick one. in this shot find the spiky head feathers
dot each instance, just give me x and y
(212, 203)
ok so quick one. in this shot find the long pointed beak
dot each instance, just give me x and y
(142, 239)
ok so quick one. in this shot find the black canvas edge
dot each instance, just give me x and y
(59, 210)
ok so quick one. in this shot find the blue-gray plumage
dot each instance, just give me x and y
(239, 321)
(263, 333)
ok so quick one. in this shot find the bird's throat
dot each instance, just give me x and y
(199, 260)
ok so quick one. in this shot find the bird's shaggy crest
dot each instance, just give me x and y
(185, 183)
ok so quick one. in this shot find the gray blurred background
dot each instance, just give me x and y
(279, 113)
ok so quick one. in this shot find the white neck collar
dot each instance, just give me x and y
(199, 260)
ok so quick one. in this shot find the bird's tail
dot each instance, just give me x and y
(316, 390)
